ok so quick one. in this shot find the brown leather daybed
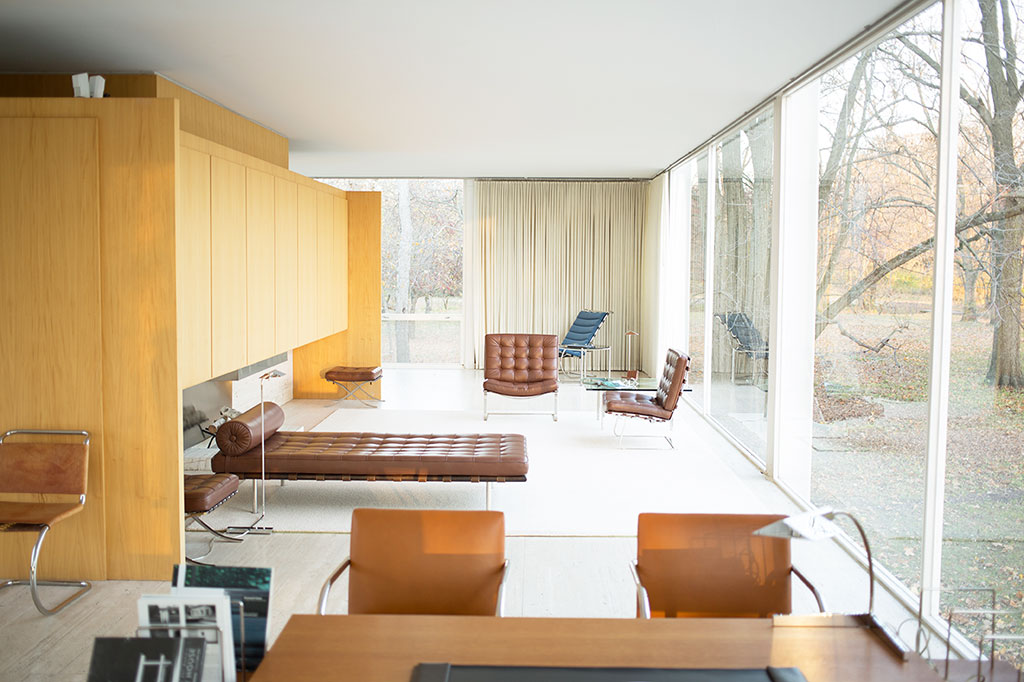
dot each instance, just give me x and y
(365, 456)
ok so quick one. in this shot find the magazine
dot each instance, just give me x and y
(246, 584)
(193, 612)
(147, 660)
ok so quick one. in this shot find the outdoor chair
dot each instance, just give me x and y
(745, 338)
(712, 566)
(43, 468)
(579, 340)
(430, 562)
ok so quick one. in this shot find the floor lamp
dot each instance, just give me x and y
(262, 510)
(818, 525)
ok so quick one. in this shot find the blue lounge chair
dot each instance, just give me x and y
(580, 336)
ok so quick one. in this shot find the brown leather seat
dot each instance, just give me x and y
(711, 566)
(424, 562)
(341, 373)
(43, 468)
(521, 366)
(204, 492)
(658, 407)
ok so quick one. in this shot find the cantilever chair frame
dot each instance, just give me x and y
(553, 413)
(623, 420)
(33, 581)
(737, 344)
(643, 602)
(325, 591)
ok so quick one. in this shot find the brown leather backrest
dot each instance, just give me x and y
(711, 566)
(242, 433)
(37, 467)
(673, 376)
(426, 562)
(521, 358)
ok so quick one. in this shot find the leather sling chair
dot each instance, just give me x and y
(712, 566)
(657, 407)
(417, 562)
(43, 468)
(521, 366)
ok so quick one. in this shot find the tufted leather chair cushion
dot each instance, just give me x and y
(711, 566)
(242, 433)
(203, 492)
(660, 405)
(673, 376)
(521, 364)
(426, 562)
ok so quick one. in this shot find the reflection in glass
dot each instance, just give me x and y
(698, 199)
(742, 253)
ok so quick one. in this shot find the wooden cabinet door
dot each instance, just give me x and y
(325, 264)
(260, 263)
(307, 264)
(340, 284)
(228, 253)
(195, 293)
(286, 264)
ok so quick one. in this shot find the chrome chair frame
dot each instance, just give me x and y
(222, 534)
(643, 602)
(359, 386)
(33, 581)
(325, 591)
(622, 420)
(554, 413)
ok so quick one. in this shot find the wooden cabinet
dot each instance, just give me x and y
(285, 264)
(194, 269)
(325, 264)
(228, 253)
(339, 284)
(260, 265)
(307, 279)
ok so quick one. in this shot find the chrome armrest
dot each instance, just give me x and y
(643, 604)
(500, 610)
(812, 588)
(325, 591)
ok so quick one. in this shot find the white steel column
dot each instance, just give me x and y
(709, 274)
(942, 317)
(793, 280)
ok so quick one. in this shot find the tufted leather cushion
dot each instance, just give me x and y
(673, 376)
(203, 492)
(628, 402)
(384, 455)
(426, 562)
(353, 373)
(663, 403)
(521, 364)
(242, 433)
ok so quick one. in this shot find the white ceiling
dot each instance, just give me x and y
(454, 88)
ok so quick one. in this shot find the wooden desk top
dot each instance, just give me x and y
(387, 648)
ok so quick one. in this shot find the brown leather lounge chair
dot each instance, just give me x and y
(431, 562)
(521, 366)
(657, 407)
(712, 566)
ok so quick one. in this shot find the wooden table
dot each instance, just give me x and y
(386, 648)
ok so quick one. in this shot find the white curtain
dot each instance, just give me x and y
(658, 301)
(542, 251)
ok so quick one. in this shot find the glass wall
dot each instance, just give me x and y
(697, 194)
(742, 256)
(421, 268)
(983, 530)
(876, 224)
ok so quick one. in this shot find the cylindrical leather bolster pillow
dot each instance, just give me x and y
(242, 433)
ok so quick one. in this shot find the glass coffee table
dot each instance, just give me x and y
(597, 384)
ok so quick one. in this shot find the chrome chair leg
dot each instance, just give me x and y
(33, 582)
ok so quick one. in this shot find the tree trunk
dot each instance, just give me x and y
(404, 267)
(970, 312)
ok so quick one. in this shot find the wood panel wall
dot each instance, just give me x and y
(198, 115)
(195, 289)
(50, 319)
(359, 345)
(140, 439)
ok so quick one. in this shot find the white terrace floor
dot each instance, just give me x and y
(571, 527)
